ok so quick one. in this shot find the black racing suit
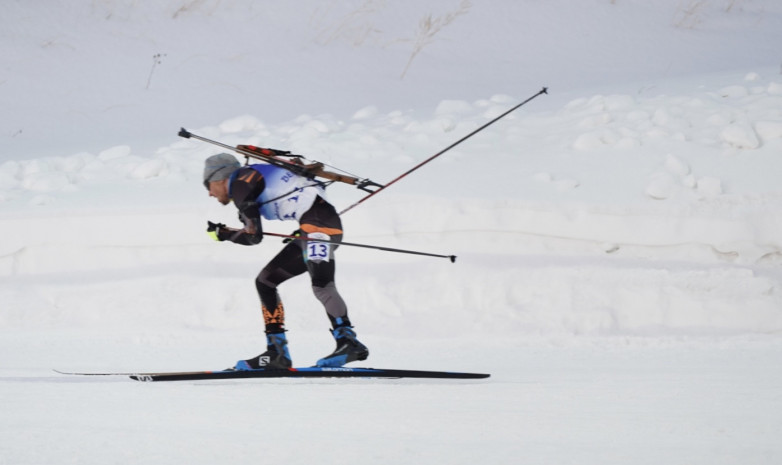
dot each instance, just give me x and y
(293, 259)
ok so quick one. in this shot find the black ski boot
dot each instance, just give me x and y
(276, 356)
(348, 349)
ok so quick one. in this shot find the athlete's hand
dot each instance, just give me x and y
(213, 229)
(295, 233)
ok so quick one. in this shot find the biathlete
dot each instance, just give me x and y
(274, 193)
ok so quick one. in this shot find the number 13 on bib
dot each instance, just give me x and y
(319, 251)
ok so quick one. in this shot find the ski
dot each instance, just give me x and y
(309, 372)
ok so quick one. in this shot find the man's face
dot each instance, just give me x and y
(219, 190)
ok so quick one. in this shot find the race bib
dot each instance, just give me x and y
(318, 251)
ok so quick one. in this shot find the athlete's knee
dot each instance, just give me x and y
(264, 282)
(322, 283)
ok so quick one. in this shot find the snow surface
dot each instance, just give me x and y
(618, 240)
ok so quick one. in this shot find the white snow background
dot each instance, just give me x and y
(619, 240)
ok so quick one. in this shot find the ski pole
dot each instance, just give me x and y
(352, 244)
(542, 91)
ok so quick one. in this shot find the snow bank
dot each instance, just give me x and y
(669, 206)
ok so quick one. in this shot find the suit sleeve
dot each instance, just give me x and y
(245, 189)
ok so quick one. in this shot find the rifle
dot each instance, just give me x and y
(291, 162)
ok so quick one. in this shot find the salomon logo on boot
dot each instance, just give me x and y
(276, 356)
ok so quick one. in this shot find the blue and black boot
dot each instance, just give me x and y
(276, 356)
(349, 349)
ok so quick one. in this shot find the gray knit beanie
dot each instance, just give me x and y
(219, 167)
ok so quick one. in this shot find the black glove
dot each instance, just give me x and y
(213, 229)
(295, 233)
